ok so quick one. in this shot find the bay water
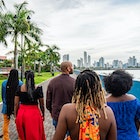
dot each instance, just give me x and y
(134, 73)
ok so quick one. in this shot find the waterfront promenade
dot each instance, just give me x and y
(49, 129)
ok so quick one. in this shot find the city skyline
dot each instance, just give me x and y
(108, 28)
(86, 61)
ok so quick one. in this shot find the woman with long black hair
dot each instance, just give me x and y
(29, 117)
(9, 88)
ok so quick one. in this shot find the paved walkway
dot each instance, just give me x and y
(49, 129)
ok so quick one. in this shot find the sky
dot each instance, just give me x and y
(103, 28)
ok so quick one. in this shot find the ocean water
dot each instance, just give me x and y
(135, 89)
(134, 73)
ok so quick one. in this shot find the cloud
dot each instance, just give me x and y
(109, 29)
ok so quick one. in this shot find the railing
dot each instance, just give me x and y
(135, 89)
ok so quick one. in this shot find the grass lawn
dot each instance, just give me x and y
(38, 78)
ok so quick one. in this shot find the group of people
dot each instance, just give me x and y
(81, 108)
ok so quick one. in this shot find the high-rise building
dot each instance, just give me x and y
(89, 61)
(85, 59)
(117, 64)
(132, 62)
(80, 63)
(101, 62)
(81, 59)
(66, 57)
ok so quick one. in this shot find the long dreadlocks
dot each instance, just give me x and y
(88, 91)
(11, 88)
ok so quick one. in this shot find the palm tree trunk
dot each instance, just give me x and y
(15, 53)
(39, 68)
(22, 57)
(34, 66)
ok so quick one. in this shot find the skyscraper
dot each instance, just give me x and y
(89, 61)
(85, 59)
(66, 57)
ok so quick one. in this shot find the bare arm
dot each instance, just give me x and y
(16, 105)
(49, 99)
(41, 104)
(112, 133)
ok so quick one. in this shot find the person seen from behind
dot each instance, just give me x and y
(126, 107)
(9, 88)
(60, 90)
(87, 117)
(28, 116)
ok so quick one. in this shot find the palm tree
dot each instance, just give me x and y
(52, 57)
(14, 24)
(2, 4)
(3, 28)
(21, 26)
(17, 24)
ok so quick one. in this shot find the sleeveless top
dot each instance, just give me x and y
(89, 127)
(24, 97)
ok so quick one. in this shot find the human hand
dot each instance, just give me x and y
(43, 118)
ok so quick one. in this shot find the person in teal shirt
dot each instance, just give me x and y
(9, 88)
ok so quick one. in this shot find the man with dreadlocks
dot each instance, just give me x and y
(87, 117)
(9, 88)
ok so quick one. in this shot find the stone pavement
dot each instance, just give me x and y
(49, 128)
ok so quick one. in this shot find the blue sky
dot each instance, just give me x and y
(107, 28)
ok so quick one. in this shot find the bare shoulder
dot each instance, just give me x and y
(109, 112)
(68, 110)
(68, 107)
(108, 109)
(23, 88)
(130, 97)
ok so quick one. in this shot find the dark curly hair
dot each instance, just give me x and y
(118, 82)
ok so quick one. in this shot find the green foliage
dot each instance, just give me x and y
(6, 63)
(44, 76)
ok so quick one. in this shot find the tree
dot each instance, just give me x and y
(14, 24)
(3, 29)
(17, 24)
(52, 56)
(2, 4)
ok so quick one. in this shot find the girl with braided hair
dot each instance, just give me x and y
(87, 117)
(29, 117)
(9, 88)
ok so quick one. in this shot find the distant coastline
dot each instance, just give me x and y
(115, 68)
(97, 68)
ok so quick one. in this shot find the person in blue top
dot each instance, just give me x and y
(9, 88)
(126, 107)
